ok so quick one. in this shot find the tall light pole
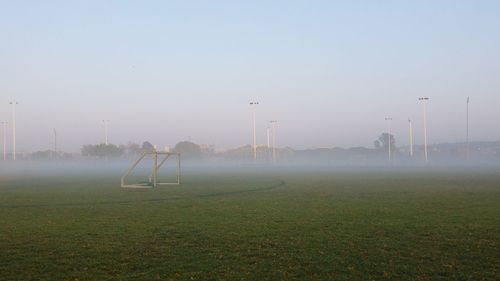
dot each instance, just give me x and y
(268, 142)
(4, 125)
(467, 130)
(424, 102)
(253, 104)
(411, 137)
(105, 131)
(14, 103)
(273, 123)
(55, 140)
(389, 119)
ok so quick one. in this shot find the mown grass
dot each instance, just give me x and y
(322, 224)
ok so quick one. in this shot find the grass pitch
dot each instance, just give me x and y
(316, 224)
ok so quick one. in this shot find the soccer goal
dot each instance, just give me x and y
(158, 158)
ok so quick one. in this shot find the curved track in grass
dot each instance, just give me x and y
(131, 201)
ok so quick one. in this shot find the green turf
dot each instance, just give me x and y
(286, 225)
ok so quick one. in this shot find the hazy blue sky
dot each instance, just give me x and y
(329, 71)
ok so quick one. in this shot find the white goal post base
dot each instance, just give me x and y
(153, 178)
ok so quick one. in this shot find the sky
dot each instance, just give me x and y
(330, 72)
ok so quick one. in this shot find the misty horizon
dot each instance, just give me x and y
(330, 73)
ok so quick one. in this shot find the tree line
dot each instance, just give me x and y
(186, 148)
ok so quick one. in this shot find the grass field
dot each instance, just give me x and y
(288, 224)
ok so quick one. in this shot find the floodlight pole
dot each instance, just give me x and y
(389, 119)
(55, 140)
(467, 130)
(14, 103)
(273, 122)
(268, 142)
(268, 138)
(411, 137)
(105, 131)
(4, 125)
(424, 102)
(253, 104)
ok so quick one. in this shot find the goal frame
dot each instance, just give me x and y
(159, 158)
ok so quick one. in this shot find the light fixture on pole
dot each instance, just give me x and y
(424, 102)
(4, 126)
(14, 103)
(253, 104)
(411, 137)
(389, 120)
(273, 123)
(105, 131)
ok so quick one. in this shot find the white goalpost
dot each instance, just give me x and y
(159, 158)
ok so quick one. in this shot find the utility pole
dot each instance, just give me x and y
(105, 131)
(14, 103)
(467, 130)
(389, 144)
(273, 122)
(55, 140)
(4, 125)
(253, 104)
(424, 102)
(268, 142)
(411, 137)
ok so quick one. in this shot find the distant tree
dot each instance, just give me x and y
(102, 150)
(49, 155)
(243, 152)
(147, 146)
(384, 141)
(133, 149)
(42, 155)
(188, 150)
